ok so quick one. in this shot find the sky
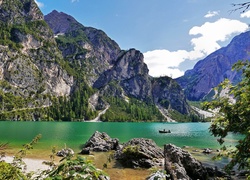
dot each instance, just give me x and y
(173, 35)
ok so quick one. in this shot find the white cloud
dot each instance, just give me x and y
(245, 14)
(212, 33)
(164, 62)
(211, 14)
(74, 1)
(39, 4)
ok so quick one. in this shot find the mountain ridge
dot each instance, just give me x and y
(59, 69)
(215, 68)
(125, 67)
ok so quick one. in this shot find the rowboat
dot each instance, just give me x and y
(164, 131)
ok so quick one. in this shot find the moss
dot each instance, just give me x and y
(131, 150)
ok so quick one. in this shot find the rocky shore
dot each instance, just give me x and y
(170, 162)
(144, 153)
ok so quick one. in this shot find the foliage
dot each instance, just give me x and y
(134, 110)
(10, 172)
(234, 117)
(192, 117)
(197, 104)
(70, 168)
(18, 158)
(13, 171)
(132, 151)
(11, 35)
(75, 107)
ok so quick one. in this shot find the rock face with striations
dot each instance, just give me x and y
(131, 73)
(88, 47)
(28, 51)
(212, 70)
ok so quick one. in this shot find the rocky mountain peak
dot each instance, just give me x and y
(19, 11)
(60, 22)
(86, 46)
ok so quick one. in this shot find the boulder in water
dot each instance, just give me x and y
(100, 142)
(140, 153)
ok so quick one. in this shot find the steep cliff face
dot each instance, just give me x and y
(29, 58)
(212, 70)
(131, 74)
(168, 94)
(89, 49)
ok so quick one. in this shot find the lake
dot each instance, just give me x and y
(75, 134)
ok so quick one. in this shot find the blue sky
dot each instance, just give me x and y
(172, 34)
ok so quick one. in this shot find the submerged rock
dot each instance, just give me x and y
(140, 153)
(100, 142)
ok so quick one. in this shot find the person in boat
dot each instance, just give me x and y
(165, 131)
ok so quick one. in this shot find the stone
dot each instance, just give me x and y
(207, 151)
(140, 153)
(100, 142)
(65, 152)
(185, 166)
(180, 164)
(159, 175)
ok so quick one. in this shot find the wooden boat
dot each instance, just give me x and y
(164, 131)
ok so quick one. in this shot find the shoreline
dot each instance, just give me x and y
(32, 165)
(35, 163)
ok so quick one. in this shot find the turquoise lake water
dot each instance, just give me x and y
(75, 134)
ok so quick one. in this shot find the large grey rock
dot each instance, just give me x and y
(180, 164)
(140, 153)
(100, 142)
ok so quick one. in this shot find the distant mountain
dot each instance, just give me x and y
(212, 70)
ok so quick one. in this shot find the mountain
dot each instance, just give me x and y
(217, 66)
(114, 72)
(54, 68)
(85, 47)
(30, 68)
